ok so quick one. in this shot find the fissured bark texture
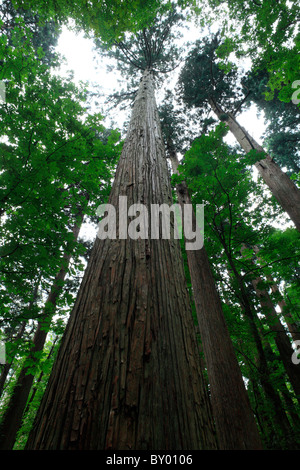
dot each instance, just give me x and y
(235, 424)
(128, 375)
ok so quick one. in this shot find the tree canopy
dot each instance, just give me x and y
(58, 164)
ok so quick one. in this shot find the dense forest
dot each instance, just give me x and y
(138, 339)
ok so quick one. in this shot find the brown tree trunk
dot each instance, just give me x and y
(265, 421)
(127, 375)
(282, 341)
(7, 365)
(292, 326)
(38, 381)
(278, 415)
(235, 424)
(281, 186)
(12, 419)
(284, 391)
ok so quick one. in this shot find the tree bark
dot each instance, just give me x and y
(19, 335)
(291, 324)
(235, 424)
(7, 365)
(127, 374)
(281, 186)
(38, 381)
(265, 421)
(12, 418)
(281, 339)
(278, 415)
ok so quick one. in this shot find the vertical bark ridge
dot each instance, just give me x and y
(128, 374)
(235, 424)
(282, 340)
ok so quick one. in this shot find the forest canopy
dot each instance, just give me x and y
(192, 72)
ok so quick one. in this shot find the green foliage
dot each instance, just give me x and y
(282, 137)
(57, 163)
(267, 33)
(58, 160)
(43, 37)
(221, 178)
(239, 217)
(154, 48)
(202, 78)
(108, 20)
(174, 124)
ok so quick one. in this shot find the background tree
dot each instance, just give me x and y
(107, 20)
(43, 36)
(221, 178)
(281, 137)
(235, 425)
(264, 32)
(201, 64)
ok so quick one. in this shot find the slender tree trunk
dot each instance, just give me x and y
(282, 341)
(235, 424)
(14, 412)
(290, 407)
(266, 423)
(38, 381)
(7, 365)
(278, 415)
(287, 399)
(289, 439)
(127, 375)
(292, 326)
(281, 186)
(19, 335)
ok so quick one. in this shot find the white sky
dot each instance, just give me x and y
(78, 52)
(80, 58)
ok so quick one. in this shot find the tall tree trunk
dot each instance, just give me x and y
(235, 424)
(282, 341)
(291, 409)
(265, 421)
(278, 415)
(292, 326)
(127, 375)
(287, 399)
(13, 415)
(281, 186)
(38, 381)
(7, 365)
